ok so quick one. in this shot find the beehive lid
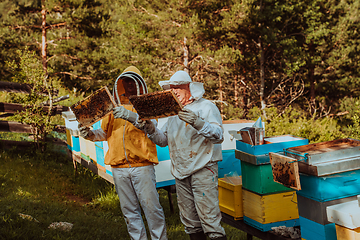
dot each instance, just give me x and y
(156, 105)
(94, 107)
(326, 151)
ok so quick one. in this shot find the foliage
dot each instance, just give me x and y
(295, 122)
(247, 53)
(29, 71)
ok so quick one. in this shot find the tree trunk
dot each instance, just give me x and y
(186, 56)
(236, 98)
(262, 78)
(43, 38)
(221, 96)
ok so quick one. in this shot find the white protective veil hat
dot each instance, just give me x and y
(181, 77)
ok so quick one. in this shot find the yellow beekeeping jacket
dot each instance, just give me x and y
(128, 146)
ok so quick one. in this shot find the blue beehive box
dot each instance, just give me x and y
(311, 230)
(267, 227)
(259, 154)
(330, 187)
(229, 164)
(162, 170)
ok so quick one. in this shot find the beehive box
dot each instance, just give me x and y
(267, 211)
(344, 233)
(230, 196)
(311, 230)
(330, 187)
(345, 214)
(259, 179)
(94, 107)
(259, 154)
(72, 132)
(156, 105)
(316, 211)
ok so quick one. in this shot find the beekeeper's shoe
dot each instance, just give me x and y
(198, 236)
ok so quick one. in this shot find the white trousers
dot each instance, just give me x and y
(136, 187)
(198, 202)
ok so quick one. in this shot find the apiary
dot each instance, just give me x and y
(255, 163)
(94, 107)
(329, 174)
(156, 105)
(230, 196)
(270, 210)
(327, 170)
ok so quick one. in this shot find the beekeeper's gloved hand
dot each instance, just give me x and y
(149, 127)
(190, 117)
(121, 112)
(85, 132)
(146, 125)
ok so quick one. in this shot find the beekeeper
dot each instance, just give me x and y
(132, 156)
(194, 138)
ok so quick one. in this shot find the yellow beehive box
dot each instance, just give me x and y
(270, 208)
(68, 138)
(344, 233)
(230, 196)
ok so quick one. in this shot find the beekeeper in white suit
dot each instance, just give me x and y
(132, 156)
(194, 138)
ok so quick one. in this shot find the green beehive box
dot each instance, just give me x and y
(259, 179)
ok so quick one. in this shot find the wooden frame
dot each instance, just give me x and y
(285, 170)
(156, 105)
(94, 107)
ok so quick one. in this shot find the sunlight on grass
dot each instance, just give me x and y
(46, 188)
(22, 193)
(107, 201)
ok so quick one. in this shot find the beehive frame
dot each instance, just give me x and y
(156, 105)
(94, 107)
(285, 170)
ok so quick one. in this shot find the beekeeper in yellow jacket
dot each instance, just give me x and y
(132, 156)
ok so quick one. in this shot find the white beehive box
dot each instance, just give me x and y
(345, 214)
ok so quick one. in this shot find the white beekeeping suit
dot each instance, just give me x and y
(194, 138)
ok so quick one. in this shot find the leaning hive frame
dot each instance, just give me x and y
(94, 107)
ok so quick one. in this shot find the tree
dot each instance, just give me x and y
(30, 71)
(65, 33)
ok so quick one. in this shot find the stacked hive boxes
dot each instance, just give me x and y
(346, 216)
(316, 194)
(72, 133)
(329, 176)
(266, 203)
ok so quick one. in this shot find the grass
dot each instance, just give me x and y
(45, 188)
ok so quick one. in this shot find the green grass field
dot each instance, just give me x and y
(38, 189)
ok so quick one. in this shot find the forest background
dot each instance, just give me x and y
(294, 63)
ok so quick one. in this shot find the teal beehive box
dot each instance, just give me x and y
(259, 154)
